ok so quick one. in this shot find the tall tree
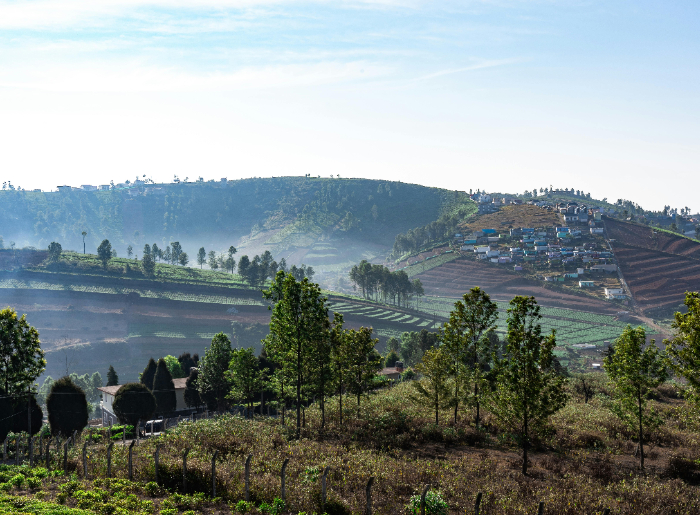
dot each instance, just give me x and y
(245, 376)
(164, 389)
(528, 390)
(155, 252)
(363, 363)
(183, 259)
(434, 389)
(192, 397)
(684, 348)
(112, 377)
(176, 250)
(213, 263)
(104, 252)
(299, 317)
(187, 362)
(148, 265)
(230, 261)
(146, 250)
(634, 368)
(243, 265)
(213, 378)
(55, 251)
(201, 257)
(149, 373)
(465, 338)
(129, 251)
(21, 357)
(67, 407)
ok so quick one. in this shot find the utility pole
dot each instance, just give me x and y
(84, 234)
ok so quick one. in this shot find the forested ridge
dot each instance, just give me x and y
(206, 212)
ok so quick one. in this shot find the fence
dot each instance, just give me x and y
(81, 455)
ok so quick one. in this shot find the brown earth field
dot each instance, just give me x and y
(515, 216)
(86, 332)
(455, 278)
(658, 267)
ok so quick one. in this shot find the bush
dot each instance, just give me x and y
(67, 406)
(434, 504)
(134, 402)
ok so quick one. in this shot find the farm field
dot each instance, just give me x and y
(514, 216)
(658, 267)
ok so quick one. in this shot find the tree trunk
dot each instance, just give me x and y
(641, 435)
(340, 401)
(476, 396)
(525, 444)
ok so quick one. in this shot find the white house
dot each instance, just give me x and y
(109, 392)
(615, 293)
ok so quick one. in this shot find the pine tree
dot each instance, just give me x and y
(148, 374)
(528, 389)
(434, 389)
(213, 380)
(112, 377)
(164, 389)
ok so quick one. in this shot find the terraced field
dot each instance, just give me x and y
(572, 327)
(454, 278)
(658, 267)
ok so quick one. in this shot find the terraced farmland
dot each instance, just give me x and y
(658, 267)
(454, 278)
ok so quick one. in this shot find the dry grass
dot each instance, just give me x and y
(515, 216)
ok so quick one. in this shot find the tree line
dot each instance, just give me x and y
(379, 283)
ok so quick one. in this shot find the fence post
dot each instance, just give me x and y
(323, 486)
(247, 477)
(138, 430)
(152, 424)
(540, 508)
(422, 499)
(75, 435)
(131, 469)
(109, 431)
(477, 504)
(123, 434)
(65, 456)
(109, 459)
(213, 475)
(48, 455)
(41, 444)
(282, 473)
(16, 451)
(184, 470)
(155, 459)
(85, 473)
(368, 492)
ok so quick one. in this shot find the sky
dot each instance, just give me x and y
(497, 95)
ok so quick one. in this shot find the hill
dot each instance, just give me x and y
(321, 222)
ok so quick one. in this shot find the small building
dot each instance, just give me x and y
(88, 187)
(597, 230)
(518, 268)
(615, 293)
(596, 366)
(109, 393)
(586, 284)
(393, 373)
(64, 188)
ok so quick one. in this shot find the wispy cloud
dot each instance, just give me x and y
(478, 66)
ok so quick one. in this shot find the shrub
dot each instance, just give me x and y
(164, 389)
(17, 480)
(33, 482)
(434, 504)
(67, 406)
(134, 402)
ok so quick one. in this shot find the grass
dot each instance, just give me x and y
(582, 464)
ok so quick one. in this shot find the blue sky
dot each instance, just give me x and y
(500, 95)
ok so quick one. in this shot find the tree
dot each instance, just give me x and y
(201, 257)
(148, 265)
(14, 414)
(55, 250)
(129, 251)
(634, 368)
(167, 255)
(184, 259)
(155, 252)
(245, 376)
(21, 357)
(112, 377)
(213, 378)
(146, 250)
(104, 252)
(192, 397)
(84, 233)
(528, 391)
(299, 317)
(134, 402)
(684, 348)
(243, 265)
(465, 338)
(67, 407)
(148, 374)
(434, 389)
(174, 367)
(164, 389)
(363, 361)
(212, 262)
(391, 359)
(175, 252)
(230, 261)
(187, 362)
